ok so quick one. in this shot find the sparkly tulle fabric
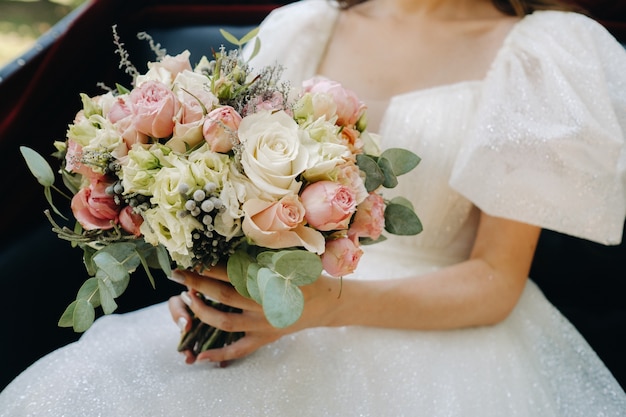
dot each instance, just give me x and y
(538, 140)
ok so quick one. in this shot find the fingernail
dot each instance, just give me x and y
(186, 298)
(177, 276)
(182, 323)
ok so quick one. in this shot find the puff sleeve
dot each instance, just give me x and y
(295, 37)
(547, 147)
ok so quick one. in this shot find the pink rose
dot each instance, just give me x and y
(369, 219)
(329, 205)
(349, 107)
(154, 106)
(341, 256)
(280, 224)
(130, 221)
(94, 208)
(174, 64)
(121, 115)
(220, 128)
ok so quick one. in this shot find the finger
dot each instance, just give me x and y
(179, 313)
(221, 292)
(237, 350)
(225, 320)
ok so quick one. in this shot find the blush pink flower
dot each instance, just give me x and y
(220, 128)
(275, 102)
(349, 107)
(130, 221)
(369, 219)
(154, 107)
(121, 115)
(341, 256)
(280, 224)
(94, 208)
(174, 64)
(329, 205)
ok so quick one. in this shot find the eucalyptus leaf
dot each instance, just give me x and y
(107, 296)
(390, 180)
(402, 201)
(164, 260)
(237, 269)
(109, 267)
(374, 176)
(125, 253)
(38, 166)
(401, 220)
(89, 291)
(283, 302)
(88, 253)
(84, 315)
(67, 318)
(252, 284)
(402, 160)
(301, 267)
(266, 258)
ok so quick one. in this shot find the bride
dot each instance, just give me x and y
(517, 111)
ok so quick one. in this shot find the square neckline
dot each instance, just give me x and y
(427, 90)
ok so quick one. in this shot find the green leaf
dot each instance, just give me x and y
(230, 37)
(374, 176)
(47, 192)
(109, 267)
(67, 318)
(283, 302)
(252, 284)
(107, 296)
(257, 48)
(401, 220)
(125, 253)
(402, 160)
(38, 166)
(121, 89)
(237, 269)
(84, 315)
(266, 258)
(248, 36)
(89, 291)
(301, 267)
(390, 180)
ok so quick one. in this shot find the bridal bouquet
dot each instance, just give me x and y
(219, 162)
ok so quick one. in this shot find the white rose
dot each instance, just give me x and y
(173, 232)
(272, 156)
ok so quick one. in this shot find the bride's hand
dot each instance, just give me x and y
(320, 300)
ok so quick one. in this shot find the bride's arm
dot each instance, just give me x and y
(480, 291)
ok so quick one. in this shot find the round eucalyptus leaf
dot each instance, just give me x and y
(401, 220)
(401, 160)
(283, 302)
(374, 176)
(301, 267)
(84, 315)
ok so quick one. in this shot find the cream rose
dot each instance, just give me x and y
(273, 155)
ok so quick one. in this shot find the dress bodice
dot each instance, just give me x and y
(539, 140)
(433, 123)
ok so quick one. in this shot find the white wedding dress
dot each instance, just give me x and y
(538, 140)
